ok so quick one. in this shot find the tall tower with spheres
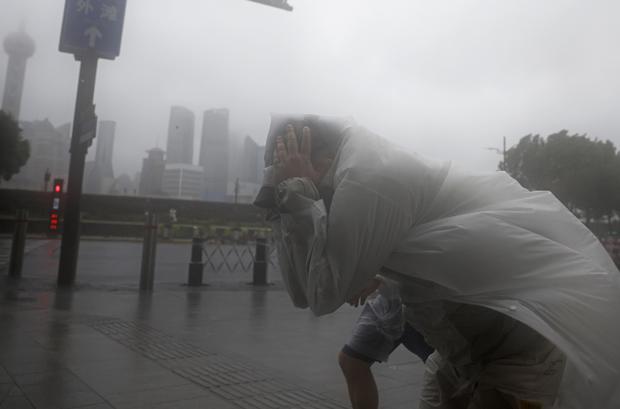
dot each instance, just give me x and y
(19, 46)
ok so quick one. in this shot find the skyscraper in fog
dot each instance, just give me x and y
(250, 171)
(260, 165)
(99, 177)
(152, 173)
(19, 46)
(105, 147)
(250, 161)
(180, 145)
(214, 153)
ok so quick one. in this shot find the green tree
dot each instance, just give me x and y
(583, 173)
(526, 162)
(14, 149)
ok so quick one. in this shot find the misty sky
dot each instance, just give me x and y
(444, 78)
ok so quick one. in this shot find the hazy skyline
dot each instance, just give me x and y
(446, 79)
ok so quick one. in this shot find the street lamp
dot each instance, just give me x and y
(280, 4)
(501, 152)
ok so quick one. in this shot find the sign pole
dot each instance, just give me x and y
(91, 29)
(71, 233)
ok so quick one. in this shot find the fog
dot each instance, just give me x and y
(447, 79)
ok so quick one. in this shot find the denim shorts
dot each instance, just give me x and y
(369, 344)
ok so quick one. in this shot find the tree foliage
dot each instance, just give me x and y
(14, 149)
(583, 173)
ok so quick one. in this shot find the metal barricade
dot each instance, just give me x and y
(256, 258)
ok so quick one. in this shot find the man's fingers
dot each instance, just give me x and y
(306, 142)
(291, 140)
(275, 155)
(281, 150)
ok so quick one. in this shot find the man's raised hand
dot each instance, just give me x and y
(291, 161)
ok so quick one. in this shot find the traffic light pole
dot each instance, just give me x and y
(71, 233)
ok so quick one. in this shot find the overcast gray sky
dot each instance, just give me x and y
(444, 78)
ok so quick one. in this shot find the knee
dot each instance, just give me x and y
(343, 361)
(351, 367)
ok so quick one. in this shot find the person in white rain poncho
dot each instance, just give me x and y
(517, 296)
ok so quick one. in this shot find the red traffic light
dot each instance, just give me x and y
(55, 210)
(57, 185)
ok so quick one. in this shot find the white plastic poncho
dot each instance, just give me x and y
(451, 235)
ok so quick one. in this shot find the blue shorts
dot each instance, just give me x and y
(369, 344)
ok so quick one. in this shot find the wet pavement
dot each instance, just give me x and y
(105, 344)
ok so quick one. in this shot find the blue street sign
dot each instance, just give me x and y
(93, 26)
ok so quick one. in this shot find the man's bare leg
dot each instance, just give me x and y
(360, 382)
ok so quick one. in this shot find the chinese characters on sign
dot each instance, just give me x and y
(84, 6)
(93, 27)
(109, 12)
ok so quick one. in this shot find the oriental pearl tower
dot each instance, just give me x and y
(19, 46)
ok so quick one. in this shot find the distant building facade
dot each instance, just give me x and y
(241, 192)
(183, 181)
(152, 173)
(49, 150)
(214, 155)
(105, 147)
(99, 177)
(19, 46)
(249, 161)
(123, 186)
(88, 182)
(245, 188)
(180, 144)
(260, 166)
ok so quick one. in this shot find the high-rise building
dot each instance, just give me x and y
(105, 148)
(152, 173)
(99, 175)
(250, 161)
(90, 180)
(214, 153)
(49, 150)
(250, 171)
(183, 181)
(19, 46)
(180, 146)
(260, 165)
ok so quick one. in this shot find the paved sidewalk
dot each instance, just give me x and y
(227, 345)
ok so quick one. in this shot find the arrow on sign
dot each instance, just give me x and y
(93, 34)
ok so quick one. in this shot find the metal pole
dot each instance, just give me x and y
(19, 244)
(196, 266)
(504, 155)
(236, 190)
(153, 249)
(149, 247)
(259, 275)
(71, 232)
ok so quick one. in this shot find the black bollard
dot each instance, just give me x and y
(259, 276)
(196, 265)
(19, 243)
(149, 248)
